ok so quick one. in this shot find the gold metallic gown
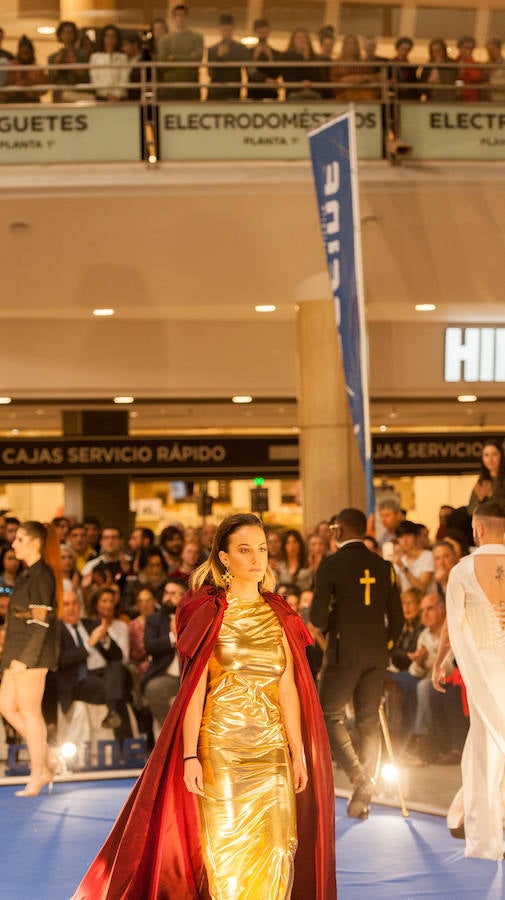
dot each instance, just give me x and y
(248, 812)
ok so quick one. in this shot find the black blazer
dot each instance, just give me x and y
(72, 655)
(357, 603)
(157, 643)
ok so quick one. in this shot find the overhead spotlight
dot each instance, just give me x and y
(14, 431)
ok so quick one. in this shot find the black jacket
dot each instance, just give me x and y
(33, 642)
(72, 655)
(357, 603)
(157, 642)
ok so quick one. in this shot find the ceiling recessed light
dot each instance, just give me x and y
(242, 398)
(39, 412)
(14, 430)
(125, 399)
(425, 307)
(103, 312)
(4, 401)
(266, 307)
(383, 428)
(134, 414)
(46, 29)
(467, 398)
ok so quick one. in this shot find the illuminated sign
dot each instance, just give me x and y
(474, 354)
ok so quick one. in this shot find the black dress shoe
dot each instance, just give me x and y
(358, 806)
(458, 832)
(112, 720)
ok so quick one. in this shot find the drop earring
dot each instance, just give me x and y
(227, 579)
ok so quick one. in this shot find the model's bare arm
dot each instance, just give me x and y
(193, 772)
(289, 703)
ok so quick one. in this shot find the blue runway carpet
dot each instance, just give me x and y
(47, 842)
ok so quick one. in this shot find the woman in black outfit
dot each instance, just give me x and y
(31, 645)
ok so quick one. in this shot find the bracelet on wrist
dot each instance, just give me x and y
(189, 757)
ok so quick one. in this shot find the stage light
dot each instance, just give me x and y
(68, 750)
(389, 773)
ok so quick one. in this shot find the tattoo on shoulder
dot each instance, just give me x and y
(500, 574)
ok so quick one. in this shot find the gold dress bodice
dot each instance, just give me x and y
(248, 811)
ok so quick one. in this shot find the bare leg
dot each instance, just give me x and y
(8, 702)
(30, 685)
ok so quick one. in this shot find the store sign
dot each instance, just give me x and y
(103, 133)
(428, 454)
(453, 130)
(257, 130)
(474, 354)
(185, 457)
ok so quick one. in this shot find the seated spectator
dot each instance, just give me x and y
(292, 596)
(390, 515)
(372, 544)
(322, 529)
(62, 525)
(105, 605)
(140, 539)
(112, 565)
(404, 651)
(161, 681)
(78, 541)
(171, 543)
(153, 574)
(90, 665)
(404, 73)
(27, 82)
(445, 558)
(468, 73)
(11, 527)
(69, 54)
(93, 532)
(110, 73)
(293, 567)
(414, 566)
(436, 75)
(70, 575)
(443, 514)
(145, 605)
(316, 650)
(262, 80)
(274, 544)
(10, 567)
(300, 50)
(132, 48)
(316, 549)
(189, 561)
(348, 74)
(495, 74)
(227, 50)
(457, 539)
(182, 45)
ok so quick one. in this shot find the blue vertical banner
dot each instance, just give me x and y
(334, 162)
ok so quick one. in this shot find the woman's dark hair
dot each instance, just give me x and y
(66, 24)
(302, 550)
(442, 44)
(95, 597)
(26, 44)
(6, 549)
(101, 38)
(148, 553)
(49, 550)
(291, 48)
(485, 474)
(212, 570)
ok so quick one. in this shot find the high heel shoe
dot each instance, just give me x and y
(35, 791)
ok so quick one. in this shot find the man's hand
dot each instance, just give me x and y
(438, 678)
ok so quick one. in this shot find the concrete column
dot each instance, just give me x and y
(330, 467)
(102, 495)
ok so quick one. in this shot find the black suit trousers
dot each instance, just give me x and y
(106, 685)
(338, 685)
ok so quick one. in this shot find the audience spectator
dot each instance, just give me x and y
(436, 75)
(93, 532)
(293, 567)
(468, 73)
(414, 566)
(323, 531)
(11, 526)
(90, 664)
(4, 54)
(390, 515)
(69, 54)
(372, 544)
(457, 540)
(132, 48)
(157, 30)
(495, 75)
(139, 540)
(104, 605)
(145, 605)
(224, 80)
(62, 525)
(300, 50)
(27, 82)
(78, 541)
(404, 73)
(262, 80)
(189, 561)
(206, 540)
(375, 67)
(326, 38)
(443, 513)
(161, 681)
(350, 74)
(153, 573)
(10, 567)
(171, 543)
(112, 565)
(70, 575)
(445, 558)
(110, 73)
(403, 653)
(490, 484)
(87, 43)
(182, 45)
(316, 549)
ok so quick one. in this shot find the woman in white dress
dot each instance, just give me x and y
(109, 77)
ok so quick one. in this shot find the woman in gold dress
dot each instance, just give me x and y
(243, 751)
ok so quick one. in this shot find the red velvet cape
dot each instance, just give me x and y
(153, 852)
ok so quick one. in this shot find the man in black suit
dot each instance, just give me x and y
(357, 605)
(90, 666)
(161, 681)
